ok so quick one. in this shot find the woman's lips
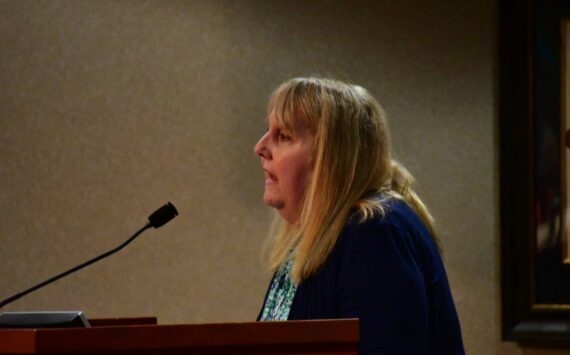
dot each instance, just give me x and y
(269, 178)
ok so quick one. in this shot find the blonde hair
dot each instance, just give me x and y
(352, 167)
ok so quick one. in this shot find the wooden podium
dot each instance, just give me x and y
(144, 336)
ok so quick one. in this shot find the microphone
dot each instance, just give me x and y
(157, 219)
(162, 215)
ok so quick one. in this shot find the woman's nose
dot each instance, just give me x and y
(261, 147)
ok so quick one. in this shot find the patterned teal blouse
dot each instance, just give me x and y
(280, 295)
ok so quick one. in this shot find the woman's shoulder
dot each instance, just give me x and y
(398, 229)
(396, 215)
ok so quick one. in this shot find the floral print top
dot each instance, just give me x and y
(280, 296)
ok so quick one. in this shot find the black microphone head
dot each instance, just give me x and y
(162, 215)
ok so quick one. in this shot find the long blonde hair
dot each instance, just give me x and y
(353, 163)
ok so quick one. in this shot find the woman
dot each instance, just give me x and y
(352, 239)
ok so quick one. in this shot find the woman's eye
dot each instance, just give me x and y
(284, 137)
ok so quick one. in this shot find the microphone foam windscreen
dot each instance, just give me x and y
(163, 215)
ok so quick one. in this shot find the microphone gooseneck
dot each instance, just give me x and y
(157, 219)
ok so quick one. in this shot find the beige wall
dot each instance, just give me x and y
(109, 109)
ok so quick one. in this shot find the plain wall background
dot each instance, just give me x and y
(110, 109)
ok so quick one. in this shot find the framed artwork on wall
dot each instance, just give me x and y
(534, 155)
(565, 136)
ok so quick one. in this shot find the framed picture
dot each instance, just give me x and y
(534, 155)
(565, 136)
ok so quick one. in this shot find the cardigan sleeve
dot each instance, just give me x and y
(390, 278)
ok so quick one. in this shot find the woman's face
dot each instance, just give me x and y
(287, 163)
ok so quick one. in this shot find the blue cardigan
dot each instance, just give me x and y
(388, 273)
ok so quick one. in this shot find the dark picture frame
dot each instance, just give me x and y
(535, 279)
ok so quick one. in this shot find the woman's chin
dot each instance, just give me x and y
(272, 202)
